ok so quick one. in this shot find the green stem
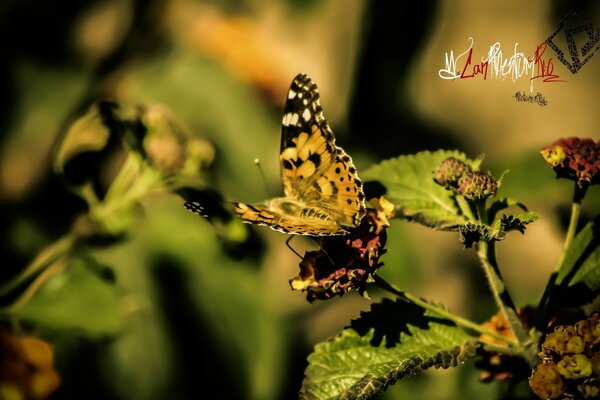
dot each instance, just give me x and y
(486, 251)
(571, 230)
(481, 211)
(45, 258)
(464, 206)
(462, 322)
(487, 258)
(501, 349)
(37, 283)
(129, 186)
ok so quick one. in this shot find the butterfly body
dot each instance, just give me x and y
(322, 192)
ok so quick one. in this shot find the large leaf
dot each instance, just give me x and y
(409, 184)
(393, 340)
(76, 298)
(578, 279)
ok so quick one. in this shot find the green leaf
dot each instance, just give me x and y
(578, 279)
(512, 222)
(409, 184)
(471, 233)
(394, 340)
(76, 298)
(88, 133)
(502, 204)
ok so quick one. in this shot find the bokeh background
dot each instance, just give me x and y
(167, 313)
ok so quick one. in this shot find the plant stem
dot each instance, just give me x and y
(45, 258)
(465, 323)
(464, 206)
(32, 289)
(481, 211)
(486, 251)
(501, 349)
(571, 230)
(487, 258)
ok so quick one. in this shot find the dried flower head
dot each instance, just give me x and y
(574, 158)
(564, 340)
(477, 185)
(546, 382)
(570, 361)
(344, 262)
(450, 171)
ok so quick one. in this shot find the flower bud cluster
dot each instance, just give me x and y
(570, 362)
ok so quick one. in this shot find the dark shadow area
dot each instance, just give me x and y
(199, 368)
(380, 119)
(49, 208)
(82, 372)
(374, 189)
(575, 295)
(391, 318)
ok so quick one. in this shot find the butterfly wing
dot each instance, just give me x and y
(313, 169)
(312, 223)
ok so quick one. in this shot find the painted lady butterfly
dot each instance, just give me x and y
(323, 194)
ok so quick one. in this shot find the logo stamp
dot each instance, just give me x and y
(539, 98)
(573, 25)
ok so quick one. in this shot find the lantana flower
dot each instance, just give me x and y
(26, 368)
(570, 362)
(344, 263)
(495, 366)
(574, 158)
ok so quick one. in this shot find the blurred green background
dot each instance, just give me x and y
(166, 313)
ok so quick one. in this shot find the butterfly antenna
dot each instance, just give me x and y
(324, 251)
(262, 174)
(287, 243)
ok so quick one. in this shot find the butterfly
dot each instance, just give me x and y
(323, 194)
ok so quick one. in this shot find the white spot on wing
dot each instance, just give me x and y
(291, 94)
(289, 119)
(306, 114)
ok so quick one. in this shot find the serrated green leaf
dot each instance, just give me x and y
(578, 279)
(409, 185)
(76, 298)
(401, 340)
(502, 204)
(513, 222)
(471, 233)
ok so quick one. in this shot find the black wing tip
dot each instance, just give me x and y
(303, 83)
(196, 208)
(302, 77)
